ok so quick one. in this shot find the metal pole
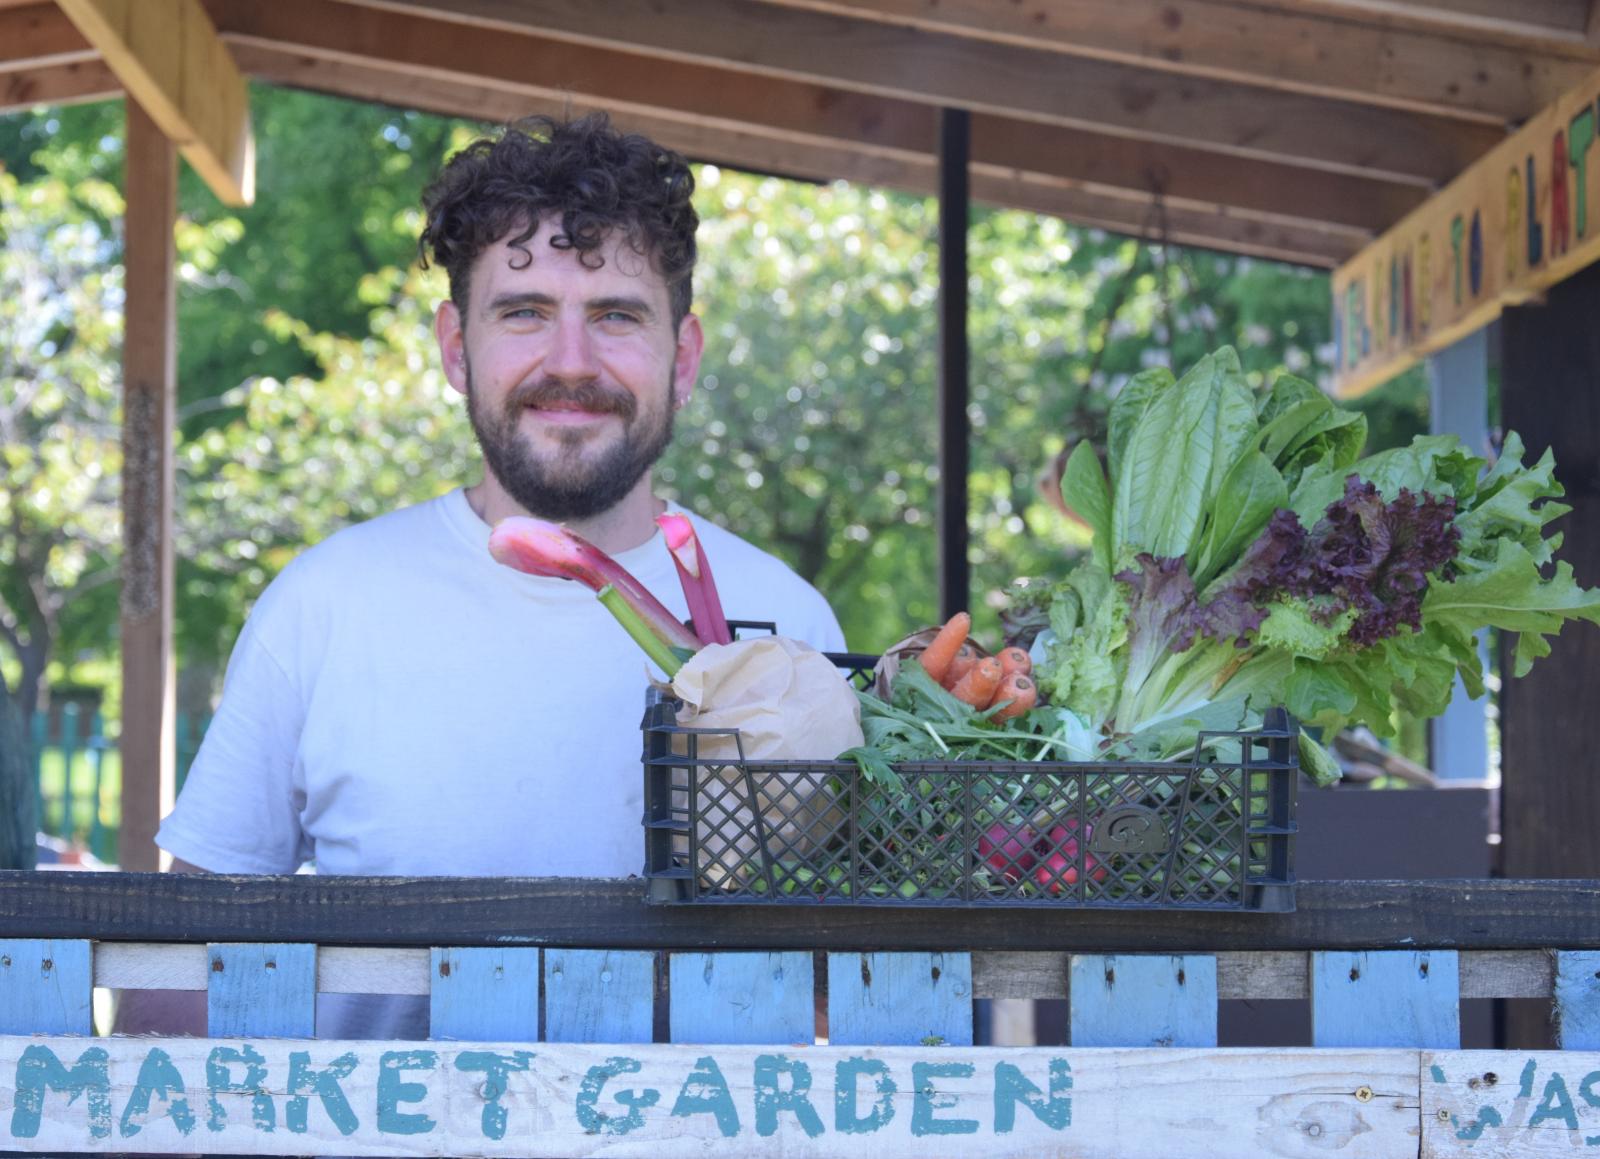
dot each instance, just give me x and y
(955, 141)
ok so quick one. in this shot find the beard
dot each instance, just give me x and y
(565, 484)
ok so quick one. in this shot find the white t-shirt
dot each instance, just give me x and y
(401, 704)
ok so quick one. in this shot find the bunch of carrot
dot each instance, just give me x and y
(981, 681)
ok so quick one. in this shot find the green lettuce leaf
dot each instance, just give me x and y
(1084, 488)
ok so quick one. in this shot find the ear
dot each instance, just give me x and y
(686, 360)
(452, 344)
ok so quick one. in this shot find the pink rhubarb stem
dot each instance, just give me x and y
(694, 573)
(538, 547)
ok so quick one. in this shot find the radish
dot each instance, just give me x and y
(1058, 850)
(1008, 851)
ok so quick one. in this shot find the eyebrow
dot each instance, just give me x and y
(598, 305)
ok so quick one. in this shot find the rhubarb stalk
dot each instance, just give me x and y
(537, 547)
(694, 573)
(633, 623)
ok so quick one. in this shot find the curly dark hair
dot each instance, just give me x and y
(596, 177)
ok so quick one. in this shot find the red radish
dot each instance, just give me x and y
(1008, 851)
(1058, 851)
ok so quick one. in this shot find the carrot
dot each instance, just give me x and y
(1020, 690)
(966, 657)
(978, 686)
(937, 655)
(1016, 660)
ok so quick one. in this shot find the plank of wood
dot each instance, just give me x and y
(63, 84)
(374, 970)
(1535, 20)
(149, 409)
(1389, 998)
(262, 990)
(1523, 218)
(510, 1098)
(599, 995)
(401, 911)
(1144, 1000)
(37, 35)
(742, 998)
(1500, 1104)
(484, 994)
(168, 56)
(1327, 54)
(899, 999)
(1577, 1000)
(45, 986)
(1271, 211)
(981, 76)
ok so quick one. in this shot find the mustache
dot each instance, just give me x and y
(589, 396)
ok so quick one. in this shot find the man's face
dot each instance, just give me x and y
(572, 374)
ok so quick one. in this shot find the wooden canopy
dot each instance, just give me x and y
(1292, 129)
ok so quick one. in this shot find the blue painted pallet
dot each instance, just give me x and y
(1143, 1000)
(599, 995)
(899, 999)
(742, 998)
(46, 986)
(261, 990)
(1388, 998)
(484, 995)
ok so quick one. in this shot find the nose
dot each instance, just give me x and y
(571, 354)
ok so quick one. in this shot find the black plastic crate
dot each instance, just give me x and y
(1216, 833)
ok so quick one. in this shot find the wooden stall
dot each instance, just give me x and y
(567, 1017)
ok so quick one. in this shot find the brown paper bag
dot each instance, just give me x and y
(788, 702)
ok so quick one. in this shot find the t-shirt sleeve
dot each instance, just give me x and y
(240, 808)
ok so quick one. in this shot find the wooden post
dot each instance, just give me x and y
(149, 367)
(955, 147)
(1458, 384)
(1550, 799)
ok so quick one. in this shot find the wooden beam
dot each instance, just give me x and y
(1523, 218)
(169, 58)
(1537, 20)
(1002, 79)
(38, 36)
(1470, 914)
(424, 51)
(1311, 52)
(150, 387)
(817, 159)
(62, 84)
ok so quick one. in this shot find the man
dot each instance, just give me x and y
(399, 703)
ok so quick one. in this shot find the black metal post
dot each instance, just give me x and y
(955, 146)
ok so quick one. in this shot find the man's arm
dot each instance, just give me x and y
(169, 1012)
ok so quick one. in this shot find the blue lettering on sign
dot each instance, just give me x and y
(770, 1101)
(1556, 1104)
(847, 1075)
(1487, 1117)
(923, 1104)
(705, 1091)
(496, 1067)
(157, 1076)
(1011, 1087)
(598, 1122)
(324, 1083)
(39, 1070)
(219, 1080)
(392, 1092)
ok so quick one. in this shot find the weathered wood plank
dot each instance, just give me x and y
(171, 61)
(45, 987)
(494, 1099)
(484, 995)
(1390, 998)
(899, 999)
(1144, 1000)
(742, 998)
(378, 911)
(1577, 1000)
(1504, 1104)
(599, 995)
(262, 990)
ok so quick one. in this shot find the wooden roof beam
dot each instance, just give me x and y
(37, 36)
(1537, 20)
(818, 160)
(170, 60)
(809, 113)
(1003, 79)
(60, 84)
(1332, 55)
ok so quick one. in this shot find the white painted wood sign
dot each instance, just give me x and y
(299, 1097)
(1507, 1103)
